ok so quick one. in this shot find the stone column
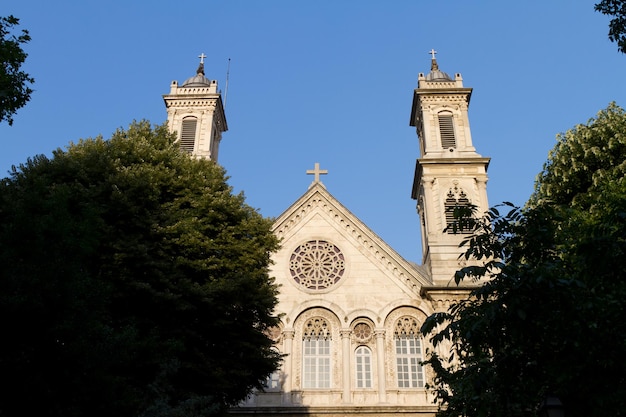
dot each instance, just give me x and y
(380, 364)
(287, 364)
(345, 350)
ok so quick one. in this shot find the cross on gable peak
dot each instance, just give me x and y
(316, 172)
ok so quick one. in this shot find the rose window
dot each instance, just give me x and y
(317, 265)
(362, 332)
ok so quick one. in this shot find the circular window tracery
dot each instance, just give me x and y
(362, 332)
(317, 265)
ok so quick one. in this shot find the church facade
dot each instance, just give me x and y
(351, 306)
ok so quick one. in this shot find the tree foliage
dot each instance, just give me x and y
(14, 83)
(549, 318)
(617, 25)
(132, 282)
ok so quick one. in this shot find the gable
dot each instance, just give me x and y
(329, 257)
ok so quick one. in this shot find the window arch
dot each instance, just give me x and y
(408, 346)
(363, 368)
(316, 353)
(446, 130)
(188, 134)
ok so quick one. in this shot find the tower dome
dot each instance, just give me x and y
(435, 73)
(198, 80)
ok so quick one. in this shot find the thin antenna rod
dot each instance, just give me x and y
(226, 88)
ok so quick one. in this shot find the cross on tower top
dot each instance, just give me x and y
(202, 56)
(432, 53)
(317, 172)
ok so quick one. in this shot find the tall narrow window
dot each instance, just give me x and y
(188, 134)
(408, 353)
(316, 344)
(446, 130)
(363, 367)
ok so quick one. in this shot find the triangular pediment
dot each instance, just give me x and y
(319, 215)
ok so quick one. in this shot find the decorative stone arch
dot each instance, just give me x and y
(317, 321)
(302, 308)
(402, 319)
(362, 313)
(403, 310)
(454, 108)
(317, 311)
(362, 331)
(423, 307)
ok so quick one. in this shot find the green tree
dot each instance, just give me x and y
(617, 25)
(132, 282)
(14, 89)
(549, 318)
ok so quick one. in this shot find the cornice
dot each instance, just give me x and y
(478, 160)
(440, 98)
(211, 102)
(442, 297)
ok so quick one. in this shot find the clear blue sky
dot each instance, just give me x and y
(322, 81)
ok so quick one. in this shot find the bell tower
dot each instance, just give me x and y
(448, 172)
(196, 113)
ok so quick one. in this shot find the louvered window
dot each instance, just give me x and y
(450, 205)
(446, 130)
(188, 134)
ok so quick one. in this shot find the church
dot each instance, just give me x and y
(351, 306)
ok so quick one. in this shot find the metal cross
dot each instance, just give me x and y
(317, 172)
(432, 52)
(202, 56)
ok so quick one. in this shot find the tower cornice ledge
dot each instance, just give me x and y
(455, 160)
(442, 88)
(442, 297)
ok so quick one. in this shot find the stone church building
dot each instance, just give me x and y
(351, 306)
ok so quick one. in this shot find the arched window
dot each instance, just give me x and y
(409, 372)
(363, 356)
(316, 343)
(446, 130)
(456, 200)
(188, 134)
